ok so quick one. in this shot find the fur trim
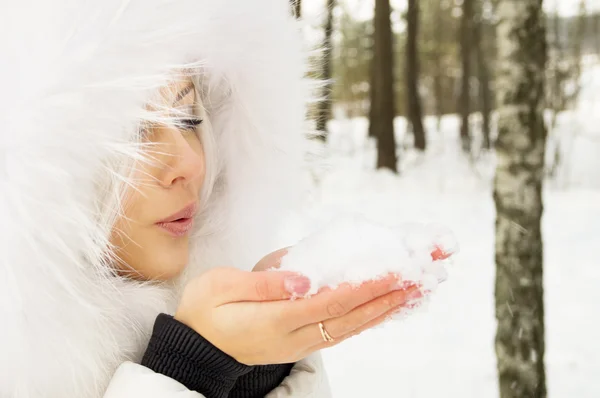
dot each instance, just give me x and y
(75, 77)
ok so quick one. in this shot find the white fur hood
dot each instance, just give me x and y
(75, 75)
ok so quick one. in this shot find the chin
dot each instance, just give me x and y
(173, 269)
(163, 273)
(166, 264)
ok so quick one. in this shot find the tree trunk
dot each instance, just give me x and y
(413, 99)
(373, 117)
(384, 87)
(484, 84)
(465, 47)
(439, 73)
(296, 8)
(324, 107)
(596, 30)
(519, 343)
(556, 97)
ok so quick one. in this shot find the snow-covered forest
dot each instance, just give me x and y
(509, 159)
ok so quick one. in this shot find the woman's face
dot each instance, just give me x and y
(151, 238)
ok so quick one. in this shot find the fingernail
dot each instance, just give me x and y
(278, 257)
(414, 295)
(297, 284)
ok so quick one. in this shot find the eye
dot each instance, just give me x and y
(189, 124)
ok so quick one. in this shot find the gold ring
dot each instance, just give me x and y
(326, 336)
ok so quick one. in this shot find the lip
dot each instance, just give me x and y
(180, 223)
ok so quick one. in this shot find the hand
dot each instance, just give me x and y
(249, 315)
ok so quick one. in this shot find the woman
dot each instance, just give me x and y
(150, 151)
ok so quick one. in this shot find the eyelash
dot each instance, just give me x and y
(186, 124)
(190, 123)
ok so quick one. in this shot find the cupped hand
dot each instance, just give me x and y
(249, 315)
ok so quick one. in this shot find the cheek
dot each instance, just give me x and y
(140, 194)
(198, 149)
(144, 251)
(124, 234)
(127, 235)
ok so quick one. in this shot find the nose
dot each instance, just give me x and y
(184, 163)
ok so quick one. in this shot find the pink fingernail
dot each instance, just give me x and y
(297, 284)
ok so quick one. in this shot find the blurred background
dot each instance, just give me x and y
(484, 116)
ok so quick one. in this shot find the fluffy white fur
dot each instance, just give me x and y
(75, 75)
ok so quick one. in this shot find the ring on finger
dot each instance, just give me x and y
(326, 336)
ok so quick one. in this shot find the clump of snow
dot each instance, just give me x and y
(354, 249)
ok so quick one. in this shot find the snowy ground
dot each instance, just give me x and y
(448, 350)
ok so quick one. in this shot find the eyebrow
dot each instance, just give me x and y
(183, 93)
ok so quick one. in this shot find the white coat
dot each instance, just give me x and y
(74, 78)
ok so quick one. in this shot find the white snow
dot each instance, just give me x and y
(448, 350)
(353, 249)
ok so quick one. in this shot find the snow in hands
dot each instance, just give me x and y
(352, 249)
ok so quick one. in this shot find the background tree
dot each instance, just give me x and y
(520, 342)
(383, 63)
(483, 74)
(296, 8)
(466, 33)
(413, 100)
(440, 65)
(352, 59)
(437, 52)
(324, 107)
(373, 93)
(595, 31)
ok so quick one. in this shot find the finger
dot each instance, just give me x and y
(239, 286)
(337, 328)
(338, 302)
(362, 315)
(271, 260)
(369, 325)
